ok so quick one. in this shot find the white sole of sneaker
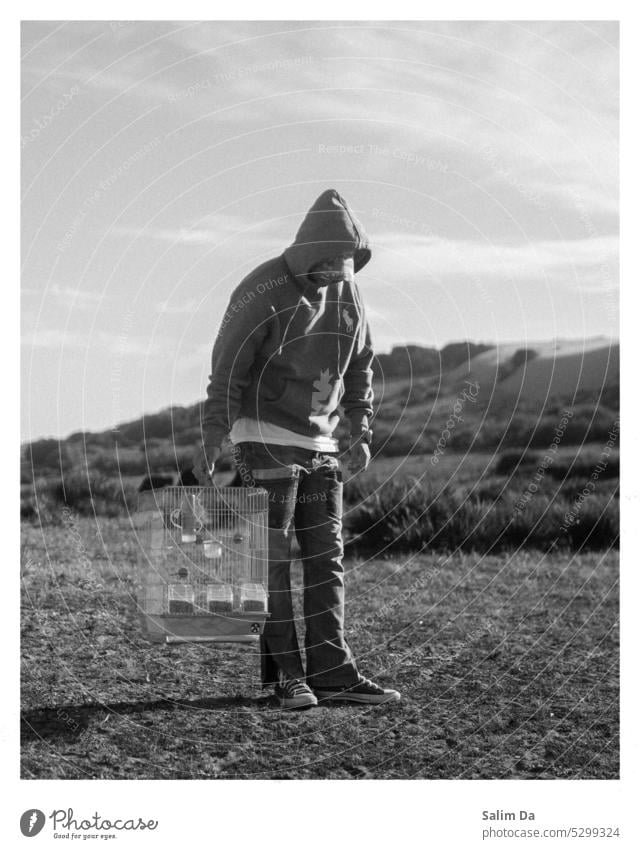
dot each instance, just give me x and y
(358, 698)
(298, 704)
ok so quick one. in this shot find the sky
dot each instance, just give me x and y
(162, 161)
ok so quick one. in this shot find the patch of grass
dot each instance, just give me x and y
(410, 515)
(507, 665)
(563, 464)
(86, 493)
(473, 501)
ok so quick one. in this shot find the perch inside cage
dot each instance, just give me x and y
(203, 562)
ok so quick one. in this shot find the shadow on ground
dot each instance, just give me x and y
(68, 721)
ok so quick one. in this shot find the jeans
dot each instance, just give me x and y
(305, 493)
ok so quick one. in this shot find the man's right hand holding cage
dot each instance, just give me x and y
(204, 463)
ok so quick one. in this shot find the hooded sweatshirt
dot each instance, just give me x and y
(288, 353)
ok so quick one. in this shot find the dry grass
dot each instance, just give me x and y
(507, 665)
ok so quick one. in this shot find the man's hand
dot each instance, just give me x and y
(359, 457)
(203, 463)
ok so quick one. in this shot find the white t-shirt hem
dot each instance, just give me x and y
(249, 430)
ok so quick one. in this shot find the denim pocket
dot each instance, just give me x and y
(272, 463)
(276, 474)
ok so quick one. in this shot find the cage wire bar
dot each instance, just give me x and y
(203, 563)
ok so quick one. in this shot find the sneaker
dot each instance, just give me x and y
(365, 692)
(294, 693)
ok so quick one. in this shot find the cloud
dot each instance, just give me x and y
(580, 263)
(212, 230)
(187, 307)
(68, 296)
(518, 89)
(177, 235)
(61, 340)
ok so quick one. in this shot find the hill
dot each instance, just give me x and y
(406, 361)
(541, 370)
(503, 396)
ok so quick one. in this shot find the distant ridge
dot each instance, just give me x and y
(531, 371)
(417, 361)
(540, 370)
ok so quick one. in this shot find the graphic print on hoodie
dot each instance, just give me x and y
(287, 353)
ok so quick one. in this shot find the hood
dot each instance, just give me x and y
(328, 229)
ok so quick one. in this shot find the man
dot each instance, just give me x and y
(293, 344)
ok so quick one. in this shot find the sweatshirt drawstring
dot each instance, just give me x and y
(339, 335)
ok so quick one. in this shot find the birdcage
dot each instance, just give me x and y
(203, 563)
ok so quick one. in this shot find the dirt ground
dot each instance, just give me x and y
(508, 668)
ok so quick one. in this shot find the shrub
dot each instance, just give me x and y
(596, 525)
(168, 456)
(396, 444)
(408, 516)
(509, 461)
(125, 462)
(584, 465)
(95, 494)
(45, 455)
(358, 489)
(522, 357)
(39, 501)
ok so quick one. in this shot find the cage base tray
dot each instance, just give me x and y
(212, 628)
